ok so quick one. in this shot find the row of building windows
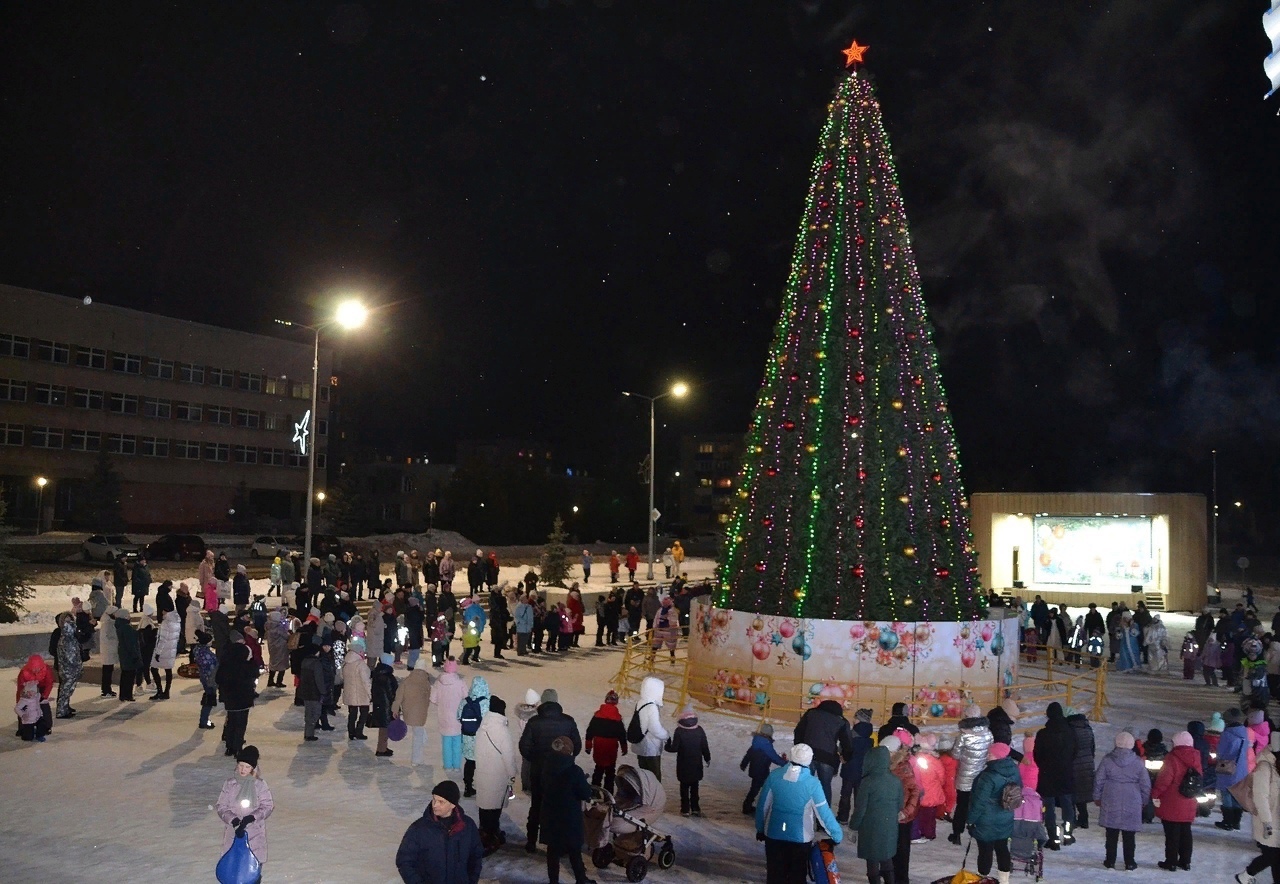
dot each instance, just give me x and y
(20, 347)
(162, 409)
(55, 438)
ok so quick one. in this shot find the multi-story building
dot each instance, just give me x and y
(403, 492)
(188, 413)
(708, 479)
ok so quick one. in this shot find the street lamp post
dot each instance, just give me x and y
(41, 481)
(677, 390)
(349, 315)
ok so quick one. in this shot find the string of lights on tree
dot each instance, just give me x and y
(850, 504)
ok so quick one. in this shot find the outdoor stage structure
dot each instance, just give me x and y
(849, 569)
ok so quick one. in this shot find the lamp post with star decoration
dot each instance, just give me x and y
(349, 315)
(850, 500)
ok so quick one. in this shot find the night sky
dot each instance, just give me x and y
(561, 200)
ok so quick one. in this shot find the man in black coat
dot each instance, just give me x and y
(476, 571)
(1093, 622)
(1055, 755)
(443, 845)
(825, 729)
(499, 617)
(119, 577)
(1040, 616)
(564, 788)
(236, 678)
(535, 747)
(1082, 781)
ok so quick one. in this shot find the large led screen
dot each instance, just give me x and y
(1089, 550)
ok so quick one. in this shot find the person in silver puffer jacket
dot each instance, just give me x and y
(970, 753)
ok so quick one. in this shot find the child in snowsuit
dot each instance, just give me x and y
(207, 662)
(605, 734)
(689, 743)
(30, 715)
(1190, 656)
(759, 759)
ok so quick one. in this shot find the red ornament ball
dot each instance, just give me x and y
(937, 477)
(859, 523)
(859, 378)
(853, 420)
(767, 521)
(788, 425)
(855, 332)
(859, 571)
(760, 566)
(943, 573)
(862, 475)
(772, 471)
(795, 377)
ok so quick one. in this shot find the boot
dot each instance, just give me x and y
(1067, 838)
(1002, 877)
(1245, 878)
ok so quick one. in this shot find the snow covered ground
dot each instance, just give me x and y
(124, 792)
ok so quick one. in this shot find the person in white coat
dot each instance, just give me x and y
(1156, 637)
(166, 652)
(1266, 819)
(497, 763)
(649, 749)
(108, 648)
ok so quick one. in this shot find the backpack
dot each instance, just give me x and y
(635, 732)
(1011, 796)
(293, 640)
(470, 718)
(1192, 785)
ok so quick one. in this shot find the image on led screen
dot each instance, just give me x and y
(1085, 550)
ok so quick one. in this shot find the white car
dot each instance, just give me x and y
(268, 547)
(107, 547)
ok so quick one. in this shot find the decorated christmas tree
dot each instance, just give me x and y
(850, 501)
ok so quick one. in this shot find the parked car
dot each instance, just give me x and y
(176, 547)
(322, 545)
(268, 546)
(108, 547)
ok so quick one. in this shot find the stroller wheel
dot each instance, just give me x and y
(601, 857)
(637, 868)
(666, 856)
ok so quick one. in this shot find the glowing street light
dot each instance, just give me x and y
(679, 390)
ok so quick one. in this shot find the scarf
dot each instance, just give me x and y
(247, 797)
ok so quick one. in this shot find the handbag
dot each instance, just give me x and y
(397, 730)
(1243, 793)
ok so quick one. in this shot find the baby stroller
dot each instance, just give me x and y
(1026, 848)
(618, 829)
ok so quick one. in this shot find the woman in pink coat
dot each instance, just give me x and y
(447, 694)
(245, 796)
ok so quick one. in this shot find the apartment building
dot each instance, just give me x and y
(187, 412)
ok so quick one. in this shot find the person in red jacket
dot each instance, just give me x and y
(42, 674)
(1177, 811)
(949, 766)
(633, 562)
(605, 733)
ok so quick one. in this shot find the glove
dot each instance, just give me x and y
(759, 836)
(235, 821)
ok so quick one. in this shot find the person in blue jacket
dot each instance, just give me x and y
(1233, 746)
(759, 760)
(791, 802)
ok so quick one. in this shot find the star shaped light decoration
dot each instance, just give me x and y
(301, 434)
(853, 55)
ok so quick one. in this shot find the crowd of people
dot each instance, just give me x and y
(897, 784)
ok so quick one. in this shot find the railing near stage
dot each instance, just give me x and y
(1045, 675)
